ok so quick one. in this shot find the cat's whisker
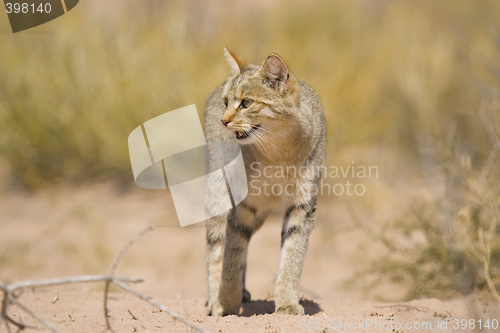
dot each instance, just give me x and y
(270, 141)
(260, 128)
(259, 138)
(266, 130)
(266, 140)
(265, 151)
(262, 146)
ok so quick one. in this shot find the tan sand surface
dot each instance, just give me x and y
(79, 232)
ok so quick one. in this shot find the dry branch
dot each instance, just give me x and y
(112, 272)
(159, 306)
(10, 297)
(59, 281)
(407, 306)
(133, 316)
(34, 315)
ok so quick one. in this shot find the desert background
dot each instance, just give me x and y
(409, 87)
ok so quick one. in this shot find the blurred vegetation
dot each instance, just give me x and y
(388, 72)
(448, 241)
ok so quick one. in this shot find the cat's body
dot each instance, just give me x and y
(279, 124)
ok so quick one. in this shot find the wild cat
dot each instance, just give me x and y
(278, 122)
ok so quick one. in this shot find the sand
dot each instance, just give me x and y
(72, 232)
(82, 311)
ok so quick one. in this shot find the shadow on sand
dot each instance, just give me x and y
(267, 307)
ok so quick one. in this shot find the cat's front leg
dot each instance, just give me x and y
(216, 235)
(238, 232)
(298, 223)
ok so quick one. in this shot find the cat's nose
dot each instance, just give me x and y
(225, 122)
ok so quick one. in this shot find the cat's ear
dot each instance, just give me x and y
(275, 72)
(236, 63)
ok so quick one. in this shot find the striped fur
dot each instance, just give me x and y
(290, 132)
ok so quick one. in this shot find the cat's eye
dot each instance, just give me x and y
(226, 102)
(245, 103)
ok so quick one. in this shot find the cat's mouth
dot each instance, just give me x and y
(243, 135)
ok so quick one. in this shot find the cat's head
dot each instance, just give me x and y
(258, 100)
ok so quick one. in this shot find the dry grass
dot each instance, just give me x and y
(387, 71)
(448, 241)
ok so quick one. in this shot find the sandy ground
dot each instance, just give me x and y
(79, 232)
(82, 312)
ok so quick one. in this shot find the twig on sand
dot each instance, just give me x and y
(34, 315)
(159, 306)
(133, 316)
(112, 272)
(10, 297)
(408, 307)
(11, 293)
(135, 293)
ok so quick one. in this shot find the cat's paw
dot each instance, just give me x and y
(246, 296)
(216, 310)
(295, 309)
